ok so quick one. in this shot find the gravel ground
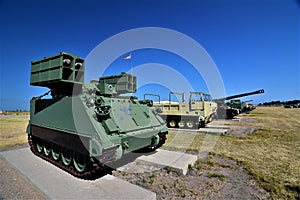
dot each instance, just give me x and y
(13, 185)
(214, 178)
(211, 177)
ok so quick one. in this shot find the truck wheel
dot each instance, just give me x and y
(190, 124)
(172, 124)
(181, 124)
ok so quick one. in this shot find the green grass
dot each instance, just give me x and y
(13, 131)
(16, 113)
(271, 154)
(216, 175)
(150, 179)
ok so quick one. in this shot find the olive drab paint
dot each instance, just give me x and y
(83, 126)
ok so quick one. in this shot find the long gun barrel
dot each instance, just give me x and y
(240, 95)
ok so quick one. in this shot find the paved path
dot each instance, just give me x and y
(177, 161)
(216, 131)
(57, 184)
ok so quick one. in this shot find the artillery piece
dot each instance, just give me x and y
(87, 125)
(235, 106)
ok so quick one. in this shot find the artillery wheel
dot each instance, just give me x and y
(66, 156)
(79, 162)
(172, 123)
(190, 124)
(47, 148)
(55, 151)
(181, 124)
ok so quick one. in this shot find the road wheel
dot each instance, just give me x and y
(39, 146)
(181, 124)
(172, 123)
(79, 162)
(47, 148)
(55, 151)
(190, 124)
(66, 156)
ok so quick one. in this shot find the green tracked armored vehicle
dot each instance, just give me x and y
(242, 106)
(84, 126)
(198, 111)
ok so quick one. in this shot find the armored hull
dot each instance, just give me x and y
(87, 125)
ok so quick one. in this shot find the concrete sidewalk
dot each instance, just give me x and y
(57, 184)
(213, 131)
(177, 161)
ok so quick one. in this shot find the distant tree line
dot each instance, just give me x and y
(280, 103)
(16, 110)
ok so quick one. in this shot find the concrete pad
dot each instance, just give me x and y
(177, 161)
(217, 126)
(218, 122)
(201, 130)
(182, 140)
(183, 130)
(57, 184)
(213, 131)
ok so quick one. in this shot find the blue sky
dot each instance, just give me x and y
(254, 43)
